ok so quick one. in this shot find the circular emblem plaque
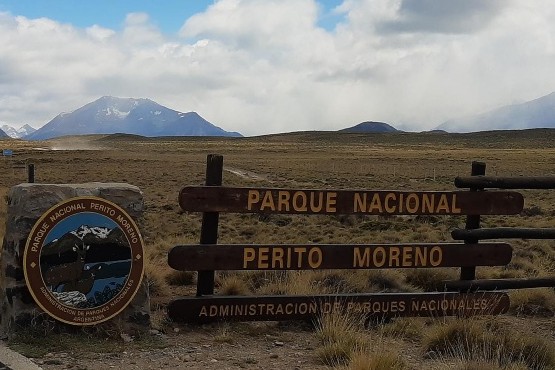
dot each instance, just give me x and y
(83, 261)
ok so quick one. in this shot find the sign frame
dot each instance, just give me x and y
(337, 256)
(293, 307)
(367, 202)
(56, 219)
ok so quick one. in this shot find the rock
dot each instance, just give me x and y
(26, 204)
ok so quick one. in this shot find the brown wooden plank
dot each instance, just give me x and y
(504, 233)
(521, 182)
(337, 256)
(263, 308)
(383, 202)
(499, 284)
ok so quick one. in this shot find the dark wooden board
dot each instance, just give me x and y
(504, 233)
(270, 308)
(498, 284)
(302, 201)
(337, 256)
(545, 182)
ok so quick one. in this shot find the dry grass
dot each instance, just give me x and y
(533, 302)
(341, 335)
(472, 340)
(376, 361)
(163, 166)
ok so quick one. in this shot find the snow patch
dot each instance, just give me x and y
(115, 112)
(83, 230)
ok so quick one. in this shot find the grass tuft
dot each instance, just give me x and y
(233, 285)
(376, 361)
(470, 340)
(533, 302)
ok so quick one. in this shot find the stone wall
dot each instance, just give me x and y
(26, 204)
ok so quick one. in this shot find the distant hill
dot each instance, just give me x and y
(18, 133)
(538, 113)
(109, 115)
(370, 126)
(3, 134)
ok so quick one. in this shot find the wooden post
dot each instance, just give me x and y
(209, 230)
(473, 221)
(30, 173)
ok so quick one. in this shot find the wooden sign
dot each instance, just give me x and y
(263, 308)
(332, 256)
(300, 201)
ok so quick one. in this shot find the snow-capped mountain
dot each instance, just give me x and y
(109, 115)
(18, 133)
(96, 231)
(3, 134)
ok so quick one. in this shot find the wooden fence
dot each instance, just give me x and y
(466, 296)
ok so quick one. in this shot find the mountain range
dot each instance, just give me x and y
(537, 113)
(17, 133)
(109, 115)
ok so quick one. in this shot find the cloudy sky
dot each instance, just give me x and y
(267, 66)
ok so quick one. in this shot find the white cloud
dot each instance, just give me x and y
(264, 66)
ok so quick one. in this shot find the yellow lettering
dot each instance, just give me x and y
(388, 207)
(254, 197)
(376, 262)
(428, 203)
(394, 253)
(443, 204)
(361, 261)
(407, 257)
(248, 256)
(412, 203)
(376, 204)
(316, 207)
(277, 256)
(263, 255)
(283, 200)
(421, 258)
(302, 196)
(268, 201)
(300, 251)
(360, 203)
(454, 208)
(331, 201)
(436, 255)
(315, 257)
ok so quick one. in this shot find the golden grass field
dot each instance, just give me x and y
(522, 339)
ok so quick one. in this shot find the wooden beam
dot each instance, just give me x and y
(545, 182)
(337, 256)
(378, 305)
(378, 202)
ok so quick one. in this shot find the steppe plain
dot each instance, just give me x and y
(522, 339)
